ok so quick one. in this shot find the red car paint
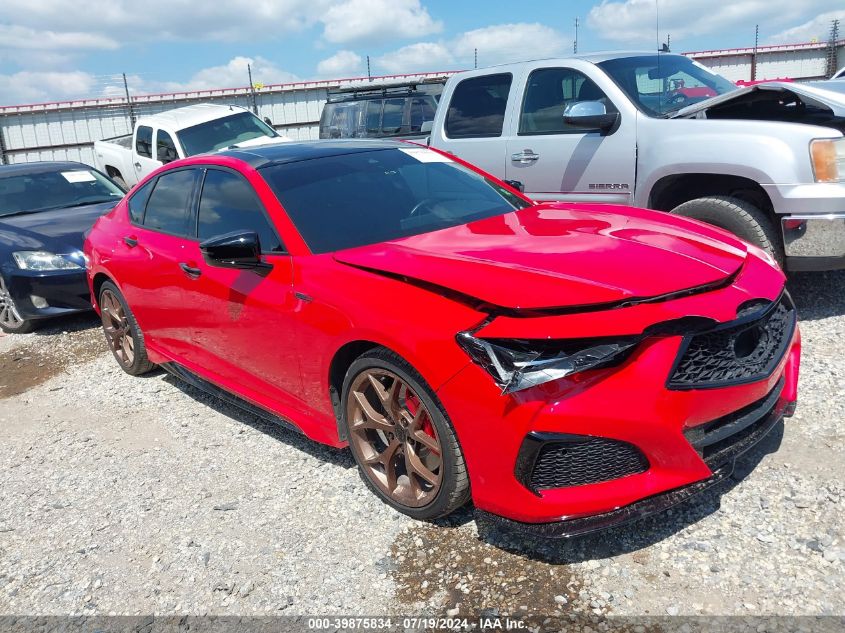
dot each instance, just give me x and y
(553, 271)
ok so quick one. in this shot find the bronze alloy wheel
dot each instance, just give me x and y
(117, 327)
(394, 439)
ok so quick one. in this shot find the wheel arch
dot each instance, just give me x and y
(340, 362)
(674, 189)
(96, 285)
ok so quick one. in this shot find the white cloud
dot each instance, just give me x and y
(633, 21)
(36, 87)
(496, 44)
(22, 37)
(508, 43)
(416, 57)
(377, 20)
(342, 63)
(818, 28)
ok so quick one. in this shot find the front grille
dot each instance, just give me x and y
(584, 460)
(721, 440)
(745, 350)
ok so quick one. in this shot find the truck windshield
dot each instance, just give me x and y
(222, 133)
(43, 191)
(660, 85)
(378, 195)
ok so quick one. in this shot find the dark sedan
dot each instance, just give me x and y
(45, 209)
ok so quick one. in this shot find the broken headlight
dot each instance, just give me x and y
(517, 364)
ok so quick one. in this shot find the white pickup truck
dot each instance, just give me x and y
(766, 162)
(165, 137)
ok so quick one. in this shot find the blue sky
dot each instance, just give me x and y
(59, 49)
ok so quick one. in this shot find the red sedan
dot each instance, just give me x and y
(565, 366)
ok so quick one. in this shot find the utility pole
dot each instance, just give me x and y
(831, 51)
(369, 76)
(476, 58)
(575, 43)
(668, 42)
(252, 90)
(754, 54)
(129, 103)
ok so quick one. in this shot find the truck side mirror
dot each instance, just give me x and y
(589, 115)
(516, 184)
(268, 121)
(426, 126)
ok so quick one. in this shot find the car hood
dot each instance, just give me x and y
(827, 97)
(558, 256)
(58, 231)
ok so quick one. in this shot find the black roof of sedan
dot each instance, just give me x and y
(295, 151)
(41, 167)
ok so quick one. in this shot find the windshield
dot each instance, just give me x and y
(29, 193)
(373, 196)
(222, 133)
(662, 84)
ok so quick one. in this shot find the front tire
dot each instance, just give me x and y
(741, 218)
(10, 319)
(123, 335)
(401, 438)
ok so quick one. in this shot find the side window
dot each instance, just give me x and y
(391, 122)
(478, 106)
(167, 209)
(422, 110)
(374, 116)
(165, 147)
(144, 141)
(138, 202)
(227, 204)
(547, 94)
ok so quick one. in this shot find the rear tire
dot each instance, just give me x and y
(123, 335)
(401, 438)
(741, 218)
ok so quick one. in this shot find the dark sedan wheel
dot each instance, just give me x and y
(10, 318)
(123, 335)
(404, 445)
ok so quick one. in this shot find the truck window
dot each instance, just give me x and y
(167, 208)
(144, 141)
(422, 110)
(478, 106)
(548, 92)
(228, 204)
(165, 147)
(391, 118)
(374, 116)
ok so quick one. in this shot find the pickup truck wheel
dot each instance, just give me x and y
(739, 217)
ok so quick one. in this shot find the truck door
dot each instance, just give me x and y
(470, 122)
(143, 158)
(557, 161)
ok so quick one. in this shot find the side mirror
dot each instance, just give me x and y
(240, 249)
(516, 184)
(589, 115)
(426, 126)
(268, 121)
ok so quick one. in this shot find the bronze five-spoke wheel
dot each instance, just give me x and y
(122, 332)
(401, 440)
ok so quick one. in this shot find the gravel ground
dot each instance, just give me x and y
(126, 495)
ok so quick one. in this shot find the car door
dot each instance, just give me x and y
(472, 123)
(148, 257)
(557, 161)
(144, 160)
(244, 321)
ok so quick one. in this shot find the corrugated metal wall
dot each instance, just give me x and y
(805, 63)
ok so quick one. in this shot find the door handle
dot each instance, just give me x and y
(192, 272)
(131, 241)
(525, 157)
(137, 165)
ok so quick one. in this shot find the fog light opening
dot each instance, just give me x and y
(38, 302)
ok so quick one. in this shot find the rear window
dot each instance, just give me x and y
(167, 208)
(378, 195)
(478, 107)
